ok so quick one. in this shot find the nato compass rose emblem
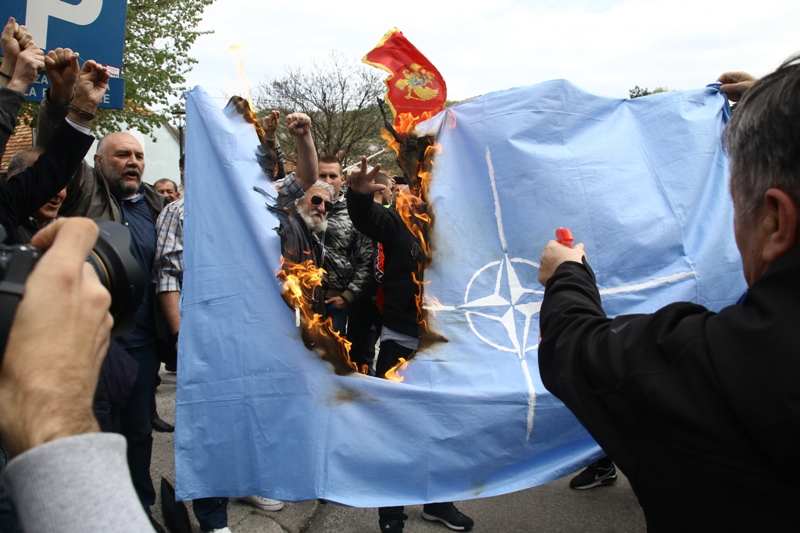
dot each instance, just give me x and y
(510, 311)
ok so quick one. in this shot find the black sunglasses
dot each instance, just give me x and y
(316, 200)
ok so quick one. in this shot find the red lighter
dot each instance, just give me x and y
(564, 236)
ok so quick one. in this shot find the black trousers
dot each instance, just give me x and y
(117, 378)
(389, 355)
(211, 513)
(136, 422)
(363, 329)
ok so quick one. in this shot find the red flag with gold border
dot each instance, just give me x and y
(415, 90)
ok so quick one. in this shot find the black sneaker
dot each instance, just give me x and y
(447, 514)
(598, 474)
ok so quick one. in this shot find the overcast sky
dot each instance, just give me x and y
(603, 46)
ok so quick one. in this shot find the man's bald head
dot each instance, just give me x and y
(120, 158)
(113, 139)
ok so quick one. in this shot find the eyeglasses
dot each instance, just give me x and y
(316, 200)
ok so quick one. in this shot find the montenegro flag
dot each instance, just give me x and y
(415, 90)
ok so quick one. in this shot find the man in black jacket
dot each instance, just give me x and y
(402, 255)
(46, 213)
(113, 190)
(36, 185)
(699, 409)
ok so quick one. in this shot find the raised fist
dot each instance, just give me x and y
(299, 124)
(90, 88)
(270, 124)
(29, 62)
(10, 45)
(62, 71)
(24, 37)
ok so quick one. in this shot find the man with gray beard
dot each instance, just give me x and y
(303, 224)
(303, 201)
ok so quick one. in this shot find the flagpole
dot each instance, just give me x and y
(354, 165)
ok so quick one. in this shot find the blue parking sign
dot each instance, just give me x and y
(93, 28)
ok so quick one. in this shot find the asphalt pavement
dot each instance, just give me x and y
(551, 508)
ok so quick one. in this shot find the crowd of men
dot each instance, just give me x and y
(668, 396)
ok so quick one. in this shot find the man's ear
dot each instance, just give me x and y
(97, 159)
(779, 224)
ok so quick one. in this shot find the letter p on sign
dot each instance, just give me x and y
(39, 12)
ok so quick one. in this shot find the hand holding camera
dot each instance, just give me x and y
(48, 377)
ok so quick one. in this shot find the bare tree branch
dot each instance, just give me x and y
(339, 96)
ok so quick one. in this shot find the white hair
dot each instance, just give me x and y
(319, 184)
(316, 226)
(324, 185)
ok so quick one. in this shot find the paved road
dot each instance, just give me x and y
(552, 508)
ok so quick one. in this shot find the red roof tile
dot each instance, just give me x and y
(20, 140)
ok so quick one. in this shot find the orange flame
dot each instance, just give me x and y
(246, 110)
(300, 282)
(405, 122)
(420, 300)
(392, 373)
(417, 222)
(391, 142)
(426, 173)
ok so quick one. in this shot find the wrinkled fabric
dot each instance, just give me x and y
(641, 182)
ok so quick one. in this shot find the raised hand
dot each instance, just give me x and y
(299, 124)
(24, 37)
(735, 84)
(62, 72)
(10, 46)
(29, 62)
(364, 182)
(89, 91)
(270, 124)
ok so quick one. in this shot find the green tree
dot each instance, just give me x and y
(158, 37)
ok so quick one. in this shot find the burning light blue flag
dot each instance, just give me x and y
(641, 182)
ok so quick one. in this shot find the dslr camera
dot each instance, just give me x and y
(111, 259)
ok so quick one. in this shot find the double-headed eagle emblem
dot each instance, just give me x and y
(417, 83)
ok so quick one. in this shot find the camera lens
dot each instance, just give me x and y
(111, 258)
